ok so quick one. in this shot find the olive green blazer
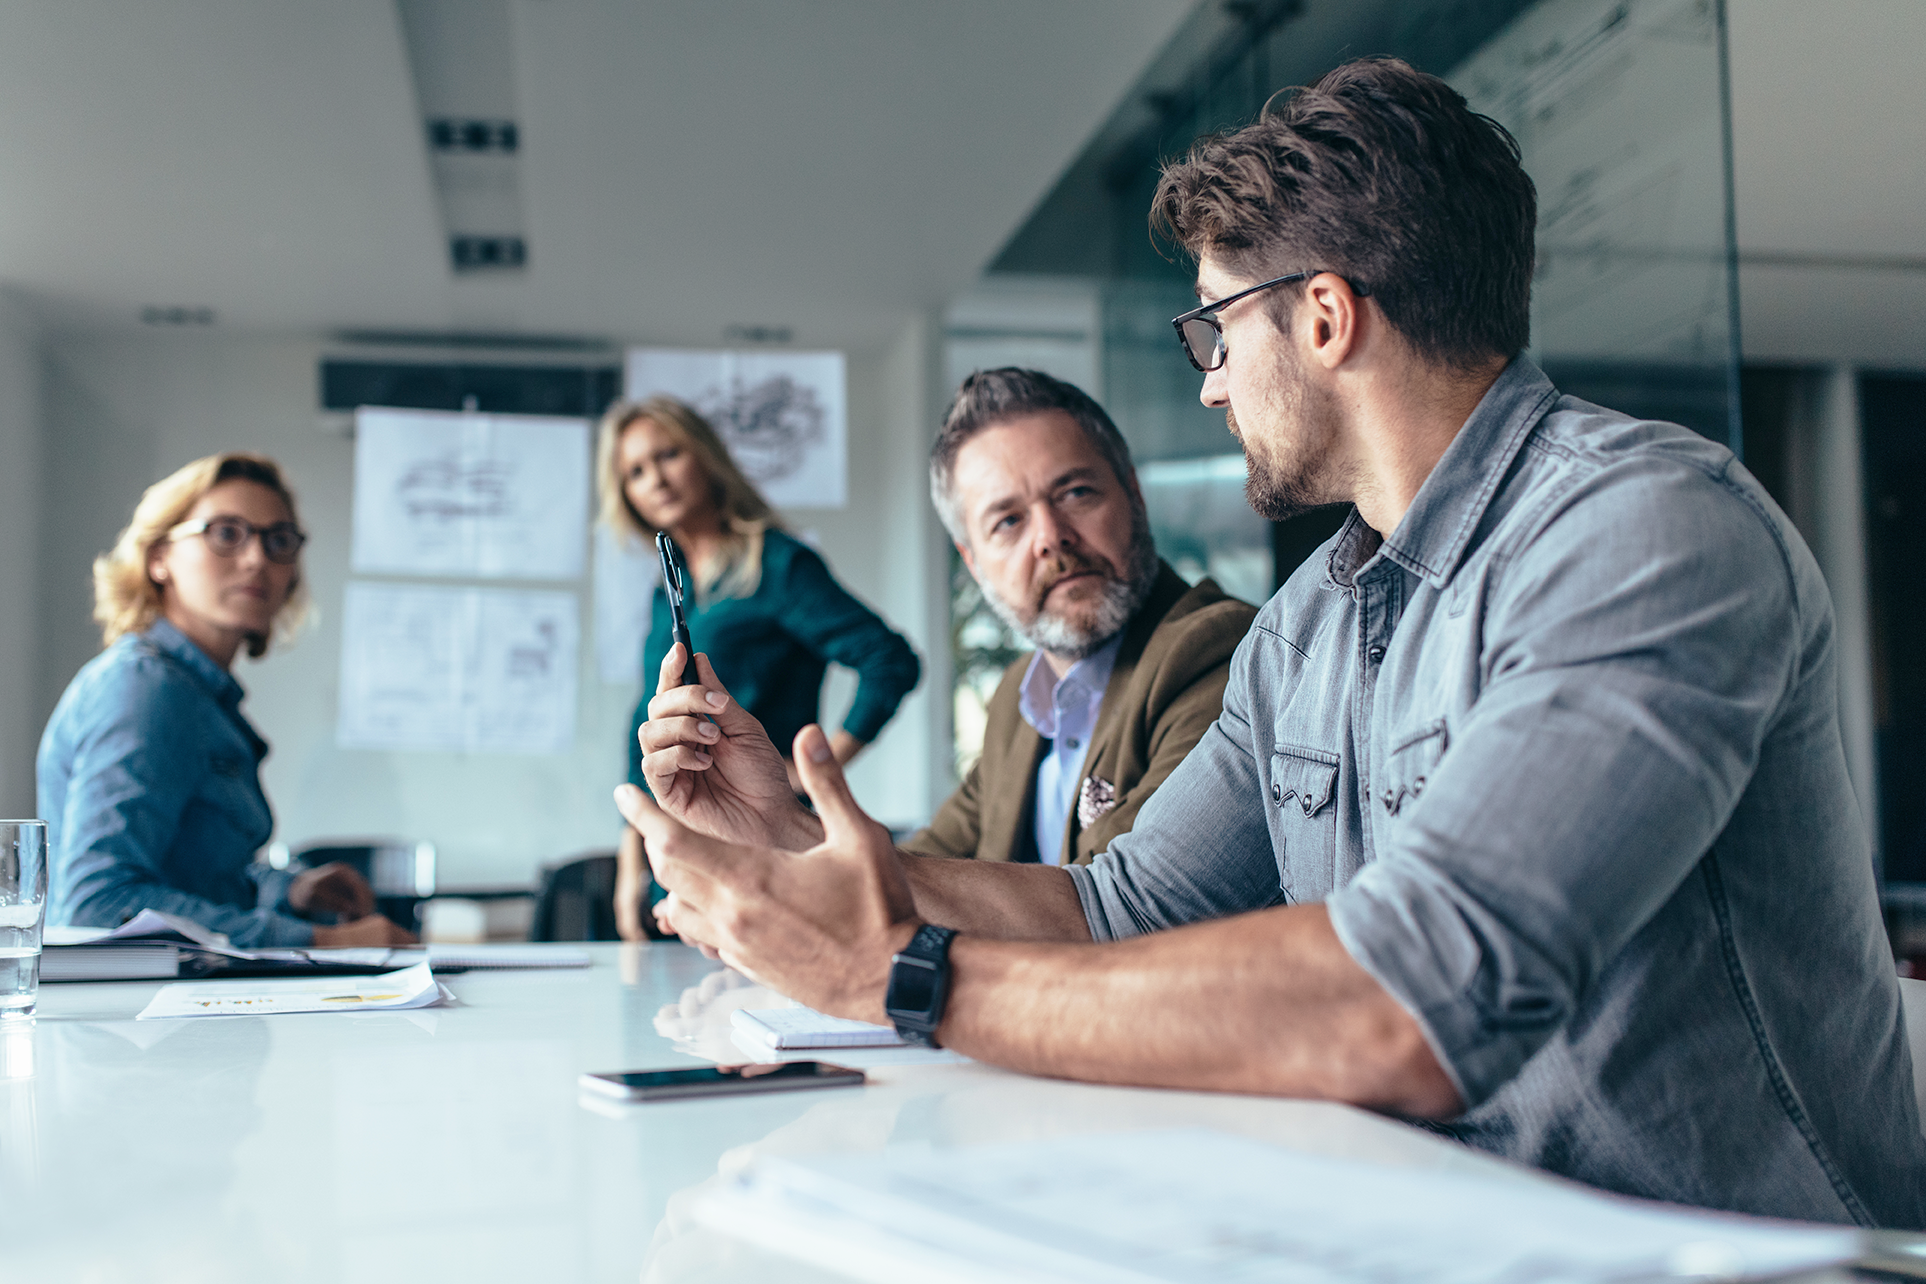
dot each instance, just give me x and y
(1165, 690)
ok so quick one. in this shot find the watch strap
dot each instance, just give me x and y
(919, 985)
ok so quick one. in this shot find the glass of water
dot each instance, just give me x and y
(23, 908)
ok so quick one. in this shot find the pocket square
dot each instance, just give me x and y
(1097, 797)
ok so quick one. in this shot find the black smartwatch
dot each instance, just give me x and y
(919, 985)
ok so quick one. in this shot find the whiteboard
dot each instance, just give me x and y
(490, 496)
(783, 415)
(470, 670)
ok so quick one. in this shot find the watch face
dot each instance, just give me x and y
(912, 988)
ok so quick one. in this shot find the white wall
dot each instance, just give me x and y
(19, 544)
(123, 410)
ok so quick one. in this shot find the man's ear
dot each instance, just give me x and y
(1334, 317)
(963, 551)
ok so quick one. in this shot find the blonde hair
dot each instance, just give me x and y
(745, 514)
(127, 600)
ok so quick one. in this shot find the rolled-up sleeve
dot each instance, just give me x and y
(1632, 666)
(1200, 848)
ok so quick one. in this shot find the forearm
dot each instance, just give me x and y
(113, 892)
(1267, 1002)
(996, 899)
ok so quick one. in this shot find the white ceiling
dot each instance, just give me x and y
(1829, 160)
(829, 165)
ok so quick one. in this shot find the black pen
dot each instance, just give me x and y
(675, 582)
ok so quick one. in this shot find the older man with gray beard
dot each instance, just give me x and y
(1036, 487)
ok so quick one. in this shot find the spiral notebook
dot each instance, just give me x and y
(785, 1029)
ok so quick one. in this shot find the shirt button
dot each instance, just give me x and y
(1277, 792)
(1074, 744)
(1375, 654)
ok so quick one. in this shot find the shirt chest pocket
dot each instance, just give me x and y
(1409, 766)
(1303, 793)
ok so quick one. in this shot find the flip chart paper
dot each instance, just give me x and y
(490, 496)
(782, 414)
(475, 670)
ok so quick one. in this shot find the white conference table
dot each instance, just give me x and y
(453, 1143)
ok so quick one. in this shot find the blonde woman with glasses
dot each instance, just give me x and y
(149, 775)
(766, 611)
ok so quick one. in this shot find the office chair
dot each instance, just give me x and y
(402, 873)
(576, 901)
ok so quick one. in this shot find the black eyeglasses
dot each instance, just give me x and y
(1202, 333)
(227, 536)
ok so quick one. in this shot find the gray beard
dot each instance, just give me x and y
(1121, 599)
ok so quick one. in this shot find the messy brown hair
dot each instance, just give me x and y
(1384, 175)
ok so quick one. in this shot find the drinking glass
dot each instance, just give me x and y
(23, 908)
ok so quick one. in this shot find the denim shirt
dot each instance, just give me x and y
(151, 789)
(1562, 759)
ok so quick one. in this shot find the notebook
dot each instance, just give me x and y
(783, 1029)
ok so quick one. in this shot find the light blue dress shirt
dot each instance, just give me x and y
(1064, 713)
(151, 789)
(1561, 756)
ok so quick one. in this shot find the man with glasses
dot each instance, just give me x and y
(1527, 812)
(1035, 485)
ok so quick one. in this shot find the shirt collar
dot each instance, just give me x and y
(1436, 530)
(1042, 690)
(176, 646)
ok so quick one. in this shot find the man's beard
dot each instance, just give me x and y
(1121, 596)
(1279, 490)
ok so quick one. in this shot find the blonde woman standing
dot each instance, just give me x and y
(766, 610)
(149, 776)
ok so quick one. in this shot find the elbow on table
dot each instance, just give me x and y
(1397, 1071)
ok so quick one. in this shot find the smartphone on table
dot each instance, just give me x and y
(720, 1081)
(675, 583)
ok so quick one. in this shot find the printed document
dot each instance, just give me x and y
(411, 987)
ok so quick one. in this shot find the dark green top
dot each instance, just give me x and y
(772, 648)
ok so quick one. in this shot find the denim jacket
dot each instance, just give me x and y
(1561, 756)
(150, 786)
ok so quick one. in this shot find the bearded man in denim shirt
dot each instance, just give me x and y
(1527, 813)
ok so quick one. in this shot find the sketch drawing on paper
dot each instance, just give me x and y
(465, 670)
(769, 426)
(444, 489)
(782, 414)
(536, 657)
(500, 496)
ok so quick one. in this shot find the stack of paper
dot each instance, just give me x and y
(1200, 1206)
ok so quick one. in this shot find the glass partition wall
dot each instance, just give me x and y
(1620, 111)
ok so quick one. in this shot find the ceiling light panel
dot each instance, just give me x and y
(461, 53)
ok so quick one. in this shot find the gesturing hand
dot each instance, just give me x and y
(722, 776)
(335, 888)
(818, 925)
